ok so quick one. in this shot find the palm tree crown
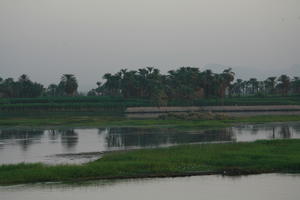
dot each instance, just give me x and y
(69, 83)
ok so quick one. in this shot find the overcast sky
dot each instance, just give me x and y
(46, 38)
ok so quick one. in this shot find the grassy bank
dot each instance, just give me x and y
(94, 120)
(236, 158)
(70, 104)
(119, 104)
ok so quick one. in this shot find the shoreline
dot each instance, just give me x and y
(236, 173)
(229, 111)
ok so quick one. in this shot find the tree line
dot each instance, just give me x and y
(282, 85)
(188, 83)
(25, 88)
(183, 84)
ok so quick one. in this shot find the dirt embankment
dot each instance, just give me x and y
(153, 112)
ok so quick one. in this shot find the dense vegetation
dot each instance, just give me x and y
(25, 88)
(189, 84)
(148, 87)
(232, 159)
(185, 83)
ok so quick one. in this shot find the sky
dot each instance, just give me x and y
(88, 38)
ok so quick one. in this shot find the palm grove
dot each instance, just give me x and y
(183, 84)
(25, 88)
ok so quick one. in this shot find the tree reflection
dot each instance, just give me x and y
(69, 138)
(285, 132)
(145, 137)
(53, 135)
(24, 138)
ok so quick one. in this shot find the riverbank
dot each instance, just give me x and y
(281, 156)
(230, 111)
(92, 120)
(120, 104)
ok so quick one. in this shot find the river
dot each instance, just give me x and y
(258, 187)
(78, 145)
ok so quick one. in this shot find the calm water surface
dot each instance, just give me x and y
(39, 145)
(255, 187)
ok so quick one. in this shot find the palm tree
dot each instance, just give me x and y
(208, 82)
(8, 88)
(112, 85)
(184, 83)
(2, 94)
(24, 86)
(155, 87)
(142, 79)
(24, 78)
(284, 84)
(296, 85)
(261, 88)
(224, 81)
(52, 90)
(69, 82)
(270, 84)
(129, 85)
(253, 83)
(237, 87)
(150, 69)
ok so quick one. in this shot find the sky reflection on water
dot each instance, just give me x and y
(37, 145)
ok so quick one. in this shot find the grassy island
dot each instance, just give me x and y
(228, 159)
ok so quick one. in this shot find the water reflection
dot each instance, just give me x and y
(69, 138)
(35, 145)
(266, 131)
(285, 132)
(53, 135)
(24, 138)
(127, 137)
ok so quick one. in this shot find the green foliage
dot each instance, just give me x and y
(185, 83)
(69, 84)
(22, 88)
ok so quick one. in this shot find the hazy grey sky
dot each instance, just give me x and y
(46, 38)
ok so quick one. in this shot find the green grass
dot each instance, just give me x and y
(78, 99)
(94, 120)
(70, 104)
(113, 104)
(237, 158)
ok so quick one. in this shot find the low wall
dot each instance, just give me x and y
(235, 111)
(212, 109)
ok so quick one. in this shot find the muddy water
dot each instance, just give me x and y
(39, 145)
(266, 187)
